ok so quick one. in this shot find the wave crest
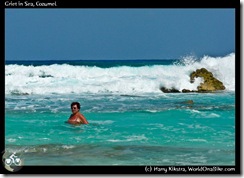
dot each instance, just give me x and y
(68, 79)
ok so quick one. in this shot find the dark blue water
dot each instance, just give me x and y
(97, 63)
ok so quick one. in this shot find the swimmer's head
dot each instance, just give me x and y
(75, 106)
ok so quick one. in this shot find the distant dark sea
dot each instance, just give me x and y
(98, 63)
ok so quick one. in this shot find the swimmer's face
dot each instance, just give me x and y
(74, 109)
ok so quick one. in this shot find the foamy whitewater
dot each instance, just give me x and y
(131, 121)
(64, 79)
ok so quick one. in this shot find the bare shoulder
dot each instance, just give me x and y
(80, 114)
(83, 119)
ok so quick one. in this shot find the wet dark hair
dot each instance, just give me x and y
(75, 103)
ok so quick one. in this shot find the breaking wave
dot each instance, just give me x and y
(68, 79)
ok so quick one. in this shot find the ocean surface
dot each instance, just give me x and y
(131, 121)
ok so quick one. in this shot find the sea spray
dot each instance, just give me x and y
(68, 79)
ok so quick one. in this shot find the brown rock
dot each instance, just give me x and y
(210, 82)
(189, 102)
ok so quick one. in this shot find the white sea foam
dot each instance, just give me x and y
(68, 146)
(197, 140)
(103, 122)
(11, 140)
(68, 79)
(114, 140)
(130, 138)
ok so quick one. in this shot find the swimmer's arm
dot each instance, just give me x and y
(82, 119)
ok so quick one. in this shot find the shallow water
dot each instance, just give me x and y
(124, 130)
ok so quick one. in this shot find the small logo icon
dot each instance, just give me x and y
(12, 162)
(13, 159)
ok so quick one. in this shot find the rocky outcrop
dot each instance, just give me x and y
(169, 90)
(188, 91)
(188, 102)
(210, 83)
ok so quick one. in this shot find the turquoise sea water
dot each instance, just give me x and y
(131, 122)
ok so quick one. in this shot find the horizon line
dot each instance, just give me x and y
(86, 59)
